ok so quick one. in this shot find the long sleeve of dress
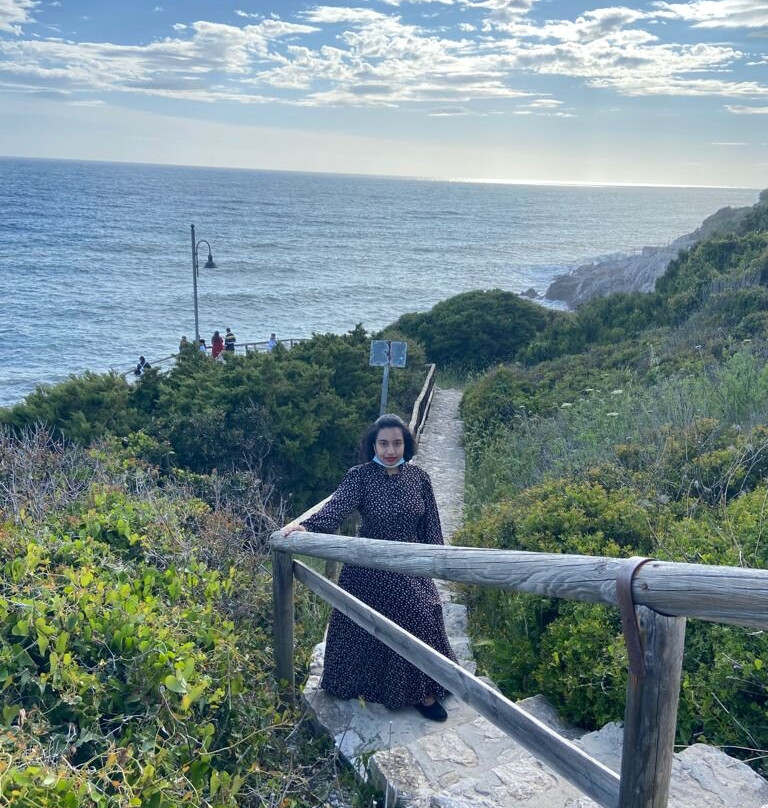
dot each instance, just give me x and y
(345, 499)
(429, 529)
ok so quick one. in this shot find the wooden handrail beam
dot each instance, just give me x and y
(422, 404)
(734, 595)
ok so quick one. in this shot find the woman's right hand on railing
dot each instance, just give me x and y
(292, 527)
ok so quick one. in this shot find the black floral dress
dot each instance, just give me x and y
(397, 507)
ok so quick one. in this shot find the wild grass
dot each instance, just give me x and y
(454, 376)
(590, 429)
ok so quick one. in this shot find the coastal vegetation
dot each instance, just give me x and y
(135, 639)
(637, 425)
(136, 654)
(291, 416)
(475, 330)
(135, 595)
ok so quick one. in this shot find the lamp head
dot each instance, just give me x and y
(209, 264)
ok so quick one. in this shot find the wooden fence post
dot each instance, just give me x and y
(651, 713)
(282, 603)
(332, 570)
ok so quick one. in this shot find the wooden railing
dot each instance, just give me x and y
(422, 404)
(660, 595)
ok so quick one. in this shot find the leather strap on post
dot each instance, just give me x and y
(628, 617)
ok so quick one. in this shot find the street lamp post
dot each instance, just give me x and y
(209, 264)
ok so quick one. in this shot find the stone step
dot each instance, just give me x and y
(467, 762)
(702, 776)
(473, 764)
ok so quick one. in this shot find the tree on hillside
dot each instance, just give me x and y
(476, 329)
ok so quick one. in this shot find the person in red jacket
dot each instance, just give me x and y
(217, 344)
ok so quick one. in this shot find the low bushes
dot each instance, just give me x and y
(135, 645)
(574, 653)
(292, 417)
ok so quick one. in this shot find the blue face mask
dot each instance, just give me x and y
(392, 466)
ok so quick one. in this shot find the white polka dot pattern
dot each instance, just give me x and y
(398, 507)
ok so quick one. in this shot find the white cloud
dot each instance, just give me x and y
(544, 103)
(353, 16)
(547, 107)
(718, 13)
(590, 26)
(14, 13)
(736, 109)
(382, 61)
(598, 48)
(673, 86)
(171, 67)
(502, 10)
(376, 59)
(728, 143)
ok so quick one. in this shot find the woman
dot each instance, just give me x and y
(217, 344)
(396, 503)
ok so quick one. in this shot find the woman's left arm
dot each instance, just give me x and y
(429, 530)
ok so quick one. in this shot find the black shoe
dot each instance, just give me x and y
(434, 712)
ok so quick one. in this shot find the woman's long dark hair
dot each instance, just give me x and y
(368, 442)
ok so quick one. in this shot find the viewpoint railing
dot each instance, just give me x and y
(654, 597)
(240, 347)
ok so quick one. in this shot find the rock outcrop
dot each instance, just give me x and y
(637, 272)
(616, 273)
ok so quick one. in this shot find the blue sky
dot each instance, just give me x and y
(512, 90)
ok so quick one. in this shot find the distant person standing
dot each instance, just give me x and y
(217, 344)
(201, 346)
(272, 341)
(142, 366)
(184, 344)
(229, 341)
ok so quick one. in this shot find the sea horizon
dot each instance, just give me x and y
(461, 180)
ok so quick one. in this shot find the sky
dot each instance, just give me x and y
(560, 91)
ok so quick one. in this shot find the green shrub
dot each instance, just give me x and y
(292, 417)
(602, 320)
(82, 408)
(135, 645)
(476, 329)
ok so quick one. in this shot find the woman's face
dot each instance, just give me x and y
(389, 445)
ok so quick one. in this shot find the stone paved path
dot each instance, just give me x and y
(467, 762)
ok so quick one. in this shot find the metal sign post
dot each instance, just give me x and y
(387, 353)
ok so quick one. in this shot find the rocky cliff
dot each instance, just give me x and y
(637, 272)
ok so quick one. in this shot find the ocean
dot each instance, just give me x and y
(96, 258)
